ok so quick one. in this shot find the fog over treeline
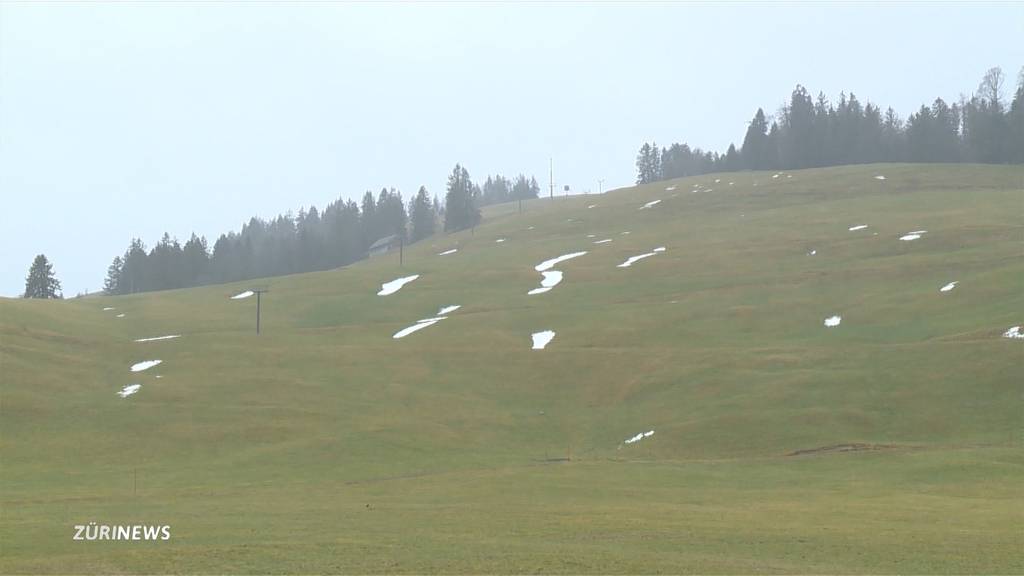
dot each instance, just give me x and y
(814, 132)
(805, 133)
(338, 235)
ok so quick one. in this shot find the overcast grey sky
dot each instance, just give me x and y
(121, 120)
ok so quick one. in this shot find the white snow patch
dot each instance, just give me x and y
(639, 437)
(121, 315)
(591, 206)
(775, 176)
(417, 326)
(626, 232)
(129, 390)
(530, 228)
(541, 339)
(669, 188)
(731, 183)
(548, 264)
(833, 321)
(812, 252)
(448, 309)
(447, 252)
(879, 177)
(109, 308)
(499, 240)
(789, 175)
(551, 279)
(659, 249)
(1013, 332)
(634, 259)
(241, 295)
(146, 365)
(605, 241)
(717, 180)
(651, 203)
(591, 236)
(909, 237)
(918, 232)
(388, 288)
(949, 286)
(858, 227)
(168, 337)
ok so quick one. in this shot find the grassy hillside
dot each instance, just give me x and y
(890, 443)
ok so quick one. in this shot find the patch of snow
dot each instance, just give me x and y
(789, 175)
(879, 177)
(241, 295)
(717, 180)
(918, 232)
(669, 188)
(109, 308)
(591, 206)
(659, 249)
(499, 240)
(858, 227)
(417, 326)
(447, 252)
(548, 264)
(775, 176)
(530, 228)
(1013, 332)
(551, 279)
(909, 237)
(832, 321)
(649, 204)
(812, 252)
(634, 259)
(448, 309)
(639, 436)
(626, 232)
(389, 288)
(590, 236)
(949, 286)
(605, 241)
(146, 365)
(129, 390)
(731, 183)
(168, 337)
(541, 339)
(121, 315)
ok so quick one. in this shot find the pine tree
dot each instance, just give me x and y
(41, 281)
(460, 207)
(422, 215)
(754, 151)
(111, 285)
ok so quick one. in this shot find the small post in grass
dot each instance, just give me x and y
(259, 292)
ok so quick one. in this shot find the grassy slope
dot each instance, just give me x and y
(324, 445)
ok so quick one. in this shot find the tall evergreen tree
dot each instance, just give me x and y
(422, 215)
(460, 208)
(755, 143)
(41, 281)
(111, 285)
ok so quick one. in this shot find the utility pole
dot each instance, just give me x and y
(600, 186)
(259, 292)
(551, 179)
(401, 251)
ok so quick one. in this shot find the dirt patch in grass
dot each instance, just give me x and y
(855, 447)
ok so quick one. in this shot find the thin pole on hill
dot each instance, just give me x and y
(401, 251)
(600, 186)
(551, 179)
(259, 292)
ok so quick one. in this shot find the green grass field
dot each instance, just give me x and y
(324, 445)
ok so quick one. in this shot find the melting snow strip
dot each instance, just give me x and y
(909, 237)
(634, 259)
(169, 337)
(447, 252)
(649, 204)
(389, 288)
(833, 321)
(879, 177)
(109, 308)
(548, 264)
(146, 365)
(1013, 332)
(417, 326)
(591, 206)
(639, 437)
(669, 188)
(551, 279)
(541, 339)
(121, 315)
(499, 240)
(241, 295)
(129, 390)
(858, 227)
(606, 240)
(949, 286)
(448, 309)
